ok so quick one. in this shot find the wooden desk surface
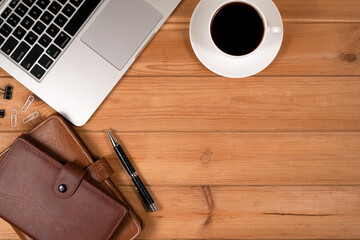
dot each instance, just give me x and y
(273, 156)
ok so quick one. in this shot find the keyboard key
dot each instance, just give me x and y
(31, 38)
(19, 32)
(13, 3)
(45, 61)
(62, 40)
(45, 40)
(5, 30)
(13, 20)
(1, 21)
(60, 20)
(52, 30)
(55, 7)
(6, 13)
(53, 51)
(20, 52)
(27, 23)
(47, 17)
(43, 3)
(31, 58)
(9, 45)
(21, 10)
(29, 2)
(76, 2)
(62, 1)
(37, 72)
(68, 10)
(35, 12)
(81, 16)
(39, 28)
(2, 40)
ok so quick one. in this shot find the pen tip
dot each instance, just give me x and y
(112, 139)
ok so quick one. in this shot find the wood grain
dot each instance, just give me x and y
(180, 158)
(6, 232)
(293, 11)
(233, 212)
(255, 213)
(274, 156)
(308, 49)
(216, 104)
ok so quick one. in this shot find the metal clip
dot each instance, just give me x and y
(13, 117)
(7, 92)
(2, 113)
(28, 103)
(31, 117)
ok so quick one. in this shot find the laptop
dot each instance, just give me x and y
(71, 53)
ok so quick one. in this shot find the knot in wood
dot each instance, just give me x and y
(349, 57)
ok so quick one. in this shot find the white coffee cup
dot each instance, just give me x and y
(225, 63)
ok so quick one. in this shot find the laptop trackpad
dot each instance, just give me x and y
(120, 29)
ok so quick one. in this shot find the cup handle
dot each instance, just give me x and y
(274, 29)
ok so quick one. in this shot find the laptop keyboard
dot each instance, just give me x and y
(34, 33)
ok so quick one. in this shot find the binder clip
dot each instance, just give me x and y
(2, 113)
(7, 92)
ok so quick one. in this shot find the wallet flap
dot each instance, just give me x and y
(27, 200)
(67, 181)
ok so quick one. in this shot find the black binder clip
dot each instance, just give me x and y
(2, 113)
(7, 92)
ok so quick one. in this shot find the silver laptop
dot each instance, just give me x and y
(71, 53)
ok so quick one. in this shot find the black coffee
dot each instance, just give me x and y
(237, 29)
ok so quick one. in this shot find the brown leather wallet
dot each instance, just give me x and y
(56, 135)
(50, 199)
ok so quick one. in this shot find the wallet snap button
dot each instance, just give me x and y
(62, 188)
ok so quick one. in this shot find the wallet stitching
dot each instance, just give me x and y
(3, 153)
(80, 146)
(54, 162)
(111, 202)
(7, 154)
(8, 150)
(34, 204)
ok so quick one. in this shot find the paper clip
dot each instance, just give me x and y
(13, 117)
(28, 103)
(31, 117)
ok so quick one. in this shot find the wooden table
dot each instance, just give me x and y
(272, 156)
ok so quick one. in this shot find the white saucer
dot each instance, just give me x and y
(226, 65)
